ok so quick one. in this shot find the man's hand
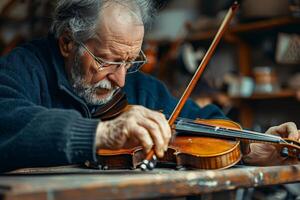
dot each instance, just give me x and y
(137, 126)
(267, 154)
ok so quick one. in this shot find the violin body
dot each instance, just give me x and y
(202, 148)
(187, 151)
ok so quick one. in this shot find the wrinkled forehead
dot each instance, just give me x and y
(120, 20)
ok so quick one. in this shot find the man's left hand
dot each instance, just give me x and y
(267, 154)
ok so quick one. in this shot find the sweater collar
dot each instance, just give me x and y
(59, 68)
(58, 63)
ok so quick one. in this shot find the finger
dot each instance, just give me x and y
(289, 129)
(160, 119)
(160, 122)
(165, 129)
(156, 135)
(273, 131)
(293, 132)
(142, 135)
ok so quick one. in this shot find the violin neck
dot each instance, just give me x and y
(192, 128)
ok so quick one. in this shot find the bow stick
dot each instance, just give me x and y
(150, 160)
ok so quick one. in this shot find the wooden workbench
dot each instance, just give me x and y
(79, 183)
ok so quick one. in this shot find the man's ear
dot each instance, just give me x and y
(66, 44)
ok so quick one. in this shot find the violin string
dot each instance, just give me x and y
(190, 125)
(217, 132)
(227, 134)
(252, 134)
(267, 135)
(189, 121)
(235, 133)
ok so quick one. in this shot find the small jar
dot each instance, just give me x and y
(265, 80)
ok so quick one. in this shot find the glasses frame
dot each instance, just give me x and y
(128, 64)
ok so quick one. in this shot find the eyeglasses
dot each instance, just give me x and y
(130, 66)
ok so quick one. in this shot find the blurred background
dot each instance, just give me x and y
(254, 75)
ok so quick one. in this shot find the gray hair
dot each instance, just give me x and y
(80, 17)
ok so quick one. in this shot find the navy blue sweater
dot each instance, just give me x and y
(44, 123)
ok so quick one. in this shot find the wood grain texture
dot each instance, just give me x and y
(78, 183)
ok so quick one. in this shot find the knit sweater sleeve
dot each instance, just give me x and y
(32, 135)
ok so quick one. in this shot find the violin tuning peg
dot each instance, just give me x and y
(154, 160)
(151, 166)
(154, 157)
(144, 165)
(148, 165)
(285, 152)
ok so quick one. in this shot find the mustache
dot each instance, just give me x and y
(104, 84)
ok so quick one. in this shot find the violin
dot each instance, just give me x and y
(200, 144)
(186, 150)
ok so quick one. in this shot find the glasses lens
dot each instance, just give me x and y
(135, 67)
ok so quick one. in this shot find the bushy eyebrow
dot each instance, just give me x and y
(111, 56)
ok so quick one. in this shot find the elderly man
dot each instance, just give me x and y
(50, 89)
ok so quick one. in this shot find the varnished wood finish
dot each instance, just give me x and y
(225, 155)
(188, 151)
(120, 159)
(207, 153)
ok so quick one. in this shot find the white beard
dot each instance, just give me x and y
(88, 91)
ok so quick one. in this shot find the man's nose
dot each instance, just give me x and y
(118, 76)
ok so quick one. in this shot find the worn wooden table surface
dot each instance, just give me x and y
(76, 183)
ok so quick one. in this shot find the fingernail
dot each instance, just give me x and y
(147, 150)
(160, 153)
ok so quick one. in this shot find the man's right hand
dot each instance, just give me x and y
(138, 126)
